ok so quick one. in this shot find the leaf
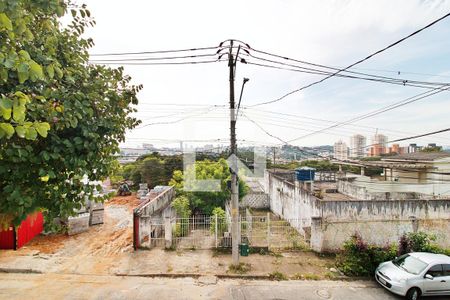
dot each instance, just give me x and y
(4, 74)
(24, 55)
(31, 134)
(36, 70)
(58, 72)
(23, 76)
(42, 128)
(73, 12)
(20, 130)
(8, 129)
(44, 178)
(5, 22)
(50, 71)
(5, 108)
(18, 111)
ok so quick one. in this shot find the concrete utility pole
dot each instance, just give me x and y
(235, 238)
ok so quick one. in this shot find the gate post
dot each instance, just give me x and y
(215, 228)
(268, 230)
(168, 232)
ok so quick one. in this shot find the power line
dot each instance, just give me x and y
(154, 52)
(355, 63)
(151, 58)
(175, 121)
(332, 121)
(378, 111)
(162, 63)
(401, 82)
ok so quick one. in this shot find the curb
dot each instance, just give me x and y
(234, 276)
(22, 271)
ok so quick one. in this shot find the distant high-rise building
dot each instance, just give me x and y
(412, 148)
(379, 143)
(357, 146)
(340, 150)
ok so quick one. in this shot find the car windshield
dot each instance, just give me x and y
(410, 264)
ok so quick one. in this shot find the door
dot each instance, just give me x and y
(446, 279)
(438, 284)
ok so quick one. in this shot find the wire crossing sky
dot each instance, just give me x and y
(173, 53)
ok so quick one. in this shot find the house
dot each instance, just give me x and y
(418, 167)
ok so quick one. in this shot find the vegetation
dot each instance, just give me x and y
(203, 201)
(153, 169)
(60, 117)
(241, 268)
(221, 221)
(361, 259)
(181, 206)
(432, 149)
(276, 275)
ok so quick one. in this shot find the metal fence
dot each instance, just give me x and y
(208, 232)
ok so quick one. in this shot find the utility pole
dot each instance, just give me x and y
(273, 149)
(235, 238)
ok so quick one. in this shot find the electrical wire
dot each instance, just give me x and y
(378, 111)
(355, 63)
(162, 63)
(154, 52)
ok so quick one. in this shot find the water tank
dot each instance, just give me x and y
(305, 174)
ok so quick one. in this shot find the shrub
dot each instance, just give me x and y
(275, 275)
(360, 259)
(241, 268)
(221, 221)
(419, 242)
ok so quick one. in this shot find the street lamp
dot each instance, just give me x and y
(240, 97)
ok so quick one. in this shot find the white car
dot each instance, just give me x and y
(416, 274)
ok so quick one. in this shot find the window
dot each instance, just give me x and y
(435, 271)
(446, 269)
(410, 264)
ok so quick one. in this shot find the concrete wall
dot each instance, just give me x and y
(292, 203)
(378, 221)
(364, 189)
(150, 216)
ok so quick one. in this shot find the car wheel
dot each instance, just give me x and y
(413, 294)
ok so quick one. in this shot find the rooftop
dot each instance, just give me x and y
(431, 257)
(418, 156)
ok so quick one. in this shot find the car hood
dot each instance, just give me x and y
(393, 272)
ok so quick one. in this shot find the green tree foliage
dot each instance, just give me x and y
(205, 202)
(432, 149)
(181, 206)
(221, 221)
(153, 169)
(60, 117)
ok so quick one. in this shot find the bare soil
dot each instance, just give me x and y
(108, 249)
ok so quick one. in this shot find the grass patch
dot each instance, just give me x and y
(330, 275)
(242, 268)
(276, 254)
(278, 276)
(299, 276)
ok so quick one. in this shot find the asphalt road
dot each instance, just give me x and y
(58, 286)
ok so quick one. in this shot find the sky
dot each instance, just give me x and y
(333, 33)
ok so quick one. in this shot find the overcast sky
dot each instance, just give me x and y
(334, 33)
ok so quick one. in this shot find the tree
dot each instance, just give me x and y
(153, 172)
(432, 149)
(61, 117)
(205, 202)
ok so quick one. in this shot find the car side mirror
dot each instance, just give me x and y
(428, 276)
